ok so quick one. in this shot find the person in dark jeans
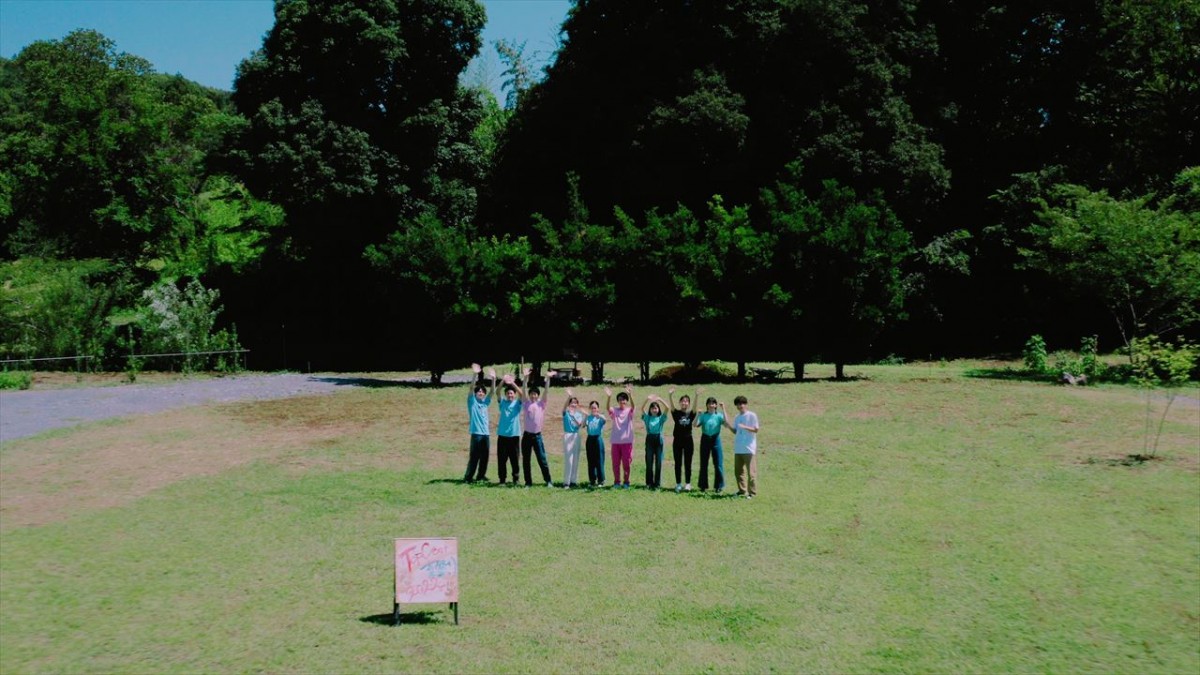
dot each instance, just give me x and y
(710, 423)
(654, 421)
(531, 439)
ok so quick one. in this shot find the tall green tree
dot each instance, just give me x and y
(99, 156)
(1100, 93)
(737, 90)
(838, 271)
(1139, 257)
(357, 128)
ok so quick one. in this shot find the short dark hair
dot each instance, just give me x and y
(594, 403)
(739, 400)
(711, 400)
(534, 390)
(509, 387)
(685, 397)
(479, 388)
(622, 396)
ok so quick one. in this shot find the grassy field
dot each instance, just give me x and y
(912, 520)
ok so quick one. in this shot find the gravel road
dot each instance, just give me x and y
(25, 413)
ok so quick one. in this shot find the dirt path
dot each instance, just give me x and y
(25, 413)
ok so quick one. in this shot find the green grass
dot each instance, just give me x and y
(914, 521)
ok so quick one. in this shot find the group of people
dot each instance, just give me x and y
(523, 415)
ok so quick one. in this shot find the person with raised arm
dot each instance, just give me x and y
(508, 431)
(682, 445)
(710, 422)
(655, 420)
(621, 436)
(478, 402)
(572, 439)
(595, 445)
(531, 438)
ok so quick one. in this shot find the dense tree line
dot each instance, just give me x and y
(792, 180)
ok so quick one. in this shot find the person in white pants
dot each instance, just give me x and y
(572, 439)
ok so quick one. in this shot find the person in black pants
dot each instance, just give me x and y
(682, 444)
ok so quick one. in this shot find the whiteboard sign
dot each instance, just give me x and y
(426, 570)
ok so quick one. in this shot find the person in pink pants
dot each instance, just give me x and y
(622, 434)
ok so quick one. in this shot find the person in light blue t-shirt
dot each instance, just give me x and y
(710, 422)
(595, 444)
(654, 422)
(478, 402)
(508, 431)
(572, 439)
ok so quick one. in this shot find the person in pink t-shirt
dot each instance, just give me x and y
(622, 433)
(533, 417)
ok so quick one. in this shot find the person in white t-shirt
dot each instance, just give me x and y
(745, 448)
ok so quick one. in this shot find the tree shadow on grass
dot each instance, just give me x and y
(423, 617)
(376, 383)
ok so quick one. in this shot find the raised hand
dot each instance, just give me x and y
(628, 388)
(476, 367)
(570, 393)
(671, 390)
(491, 373)
(607, 391)
(508, 378)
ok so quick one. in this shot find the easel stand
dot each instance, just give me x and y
(396, 613)
(426, 573)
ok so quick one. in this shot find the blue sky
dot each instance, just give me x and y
(204, 40)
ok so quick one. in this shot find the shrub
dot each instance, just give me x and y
(59, 308)
(1035, 354)
(175, 321)
(16, 379)
(709, 371)
(1159, 364)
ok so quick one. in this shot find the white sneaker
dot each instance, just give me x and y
(549, 484)
(687, 488)
(679, 487)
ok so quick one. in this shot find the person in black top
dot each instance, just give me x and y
(681, 444)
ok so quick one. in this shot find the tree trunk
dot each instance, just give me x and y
(839, 370)
(597, 372)
(435, 376)
(644, 370)
(798, 370)
(741, 371)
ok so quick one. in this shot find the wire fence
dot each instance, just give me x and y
(130, 359)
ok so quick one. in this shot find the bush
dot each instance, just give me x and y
(1161, 365)
(18, 379)
(175, 321)
(1035, 354)
(59, 308)
(709, 371)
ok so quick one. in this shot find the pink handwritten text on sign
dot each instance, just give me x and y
(426, 570)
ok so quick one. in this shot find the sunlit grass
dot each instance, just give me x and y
(915, 520)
